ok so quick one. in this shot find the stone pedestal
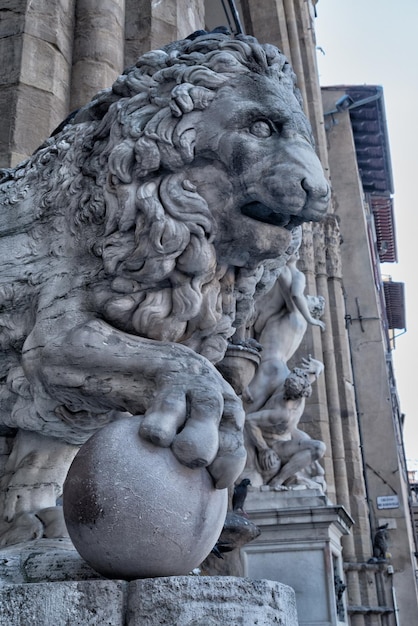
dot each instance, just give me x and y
(210, 601)
(300, 546)
(42, 584)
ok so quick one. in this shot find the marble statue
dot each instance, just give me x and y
(279, 450)
(282, 317)
(123, 238)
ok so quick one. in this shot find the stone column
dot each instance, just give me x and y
(342, 410)
(35, 51)
(315, 420)
(151, 24)
(347, 428)
(98, 47)
(335, 453)
(267, 21)
(340, 396)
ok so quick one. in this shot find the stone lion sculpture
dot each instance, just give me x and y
(123, 237)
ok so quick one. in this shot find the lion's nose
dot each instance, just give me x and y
(316, 190)
(318, 195)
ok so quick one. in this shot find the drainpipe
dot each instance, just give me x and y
(372, 523)
(390, 571)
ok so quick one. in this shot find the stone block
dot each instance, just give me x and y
(165, 11)
(162, 31)
(89, 77)
(173, 601)
(7, 107)
(63, 603)
(10, 55)
(149, 25)
(299, 545)
(12, 18)
(99, 32)
(44, 68)
(32, 103)
(52, 22)
(210, 601)
(102, 48)
(190, 17)
(43, 560)
(20, 103)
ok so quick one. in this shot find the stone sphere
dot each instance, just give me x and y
(133, 511)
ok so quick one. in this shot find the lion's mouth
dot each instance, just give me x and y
(262, 213)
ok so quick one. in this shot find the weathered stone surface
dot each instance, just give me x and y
(36, 49)
(98, 48)
(50, 75)
(13, 18)
(52, 22)
(11, 55)
(173, 601)
(150, 24)
(190, 16)
(300, 545)
(210, 601)
(43, 560)
(129, 522)
(136, 240)
(64, 603)
(50, 111)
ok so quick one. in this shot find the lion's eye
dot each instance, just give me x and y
(261, 129)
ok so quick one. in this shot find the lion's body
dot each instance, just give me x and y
(124, 236)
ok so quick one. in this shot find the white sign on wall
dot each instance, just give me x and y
(387, 502)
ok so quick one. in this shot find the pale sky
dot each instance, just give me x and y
(376, 42)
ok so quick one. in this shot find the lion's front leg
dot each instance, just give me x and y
(32, 482)
(186, 402)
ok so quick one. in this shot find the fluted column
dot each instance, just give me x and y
(328, 277)
(338, 484)
(151, 24)
(315, 420)
(98, 47)
(352, 452)
(344, 434)
(267, 21)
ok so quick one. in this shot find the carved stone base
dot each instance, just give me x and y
(43, 561)
(300, 545)
(179, 600)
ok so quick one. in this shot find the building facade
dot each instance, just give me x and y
(56, 56)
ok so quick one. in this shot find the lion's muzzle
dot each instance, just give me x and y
(317, 199)
(290, 190)
(293, 212)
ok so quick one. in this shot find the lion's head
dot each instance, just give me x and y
(222, 112)
(199, 159)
